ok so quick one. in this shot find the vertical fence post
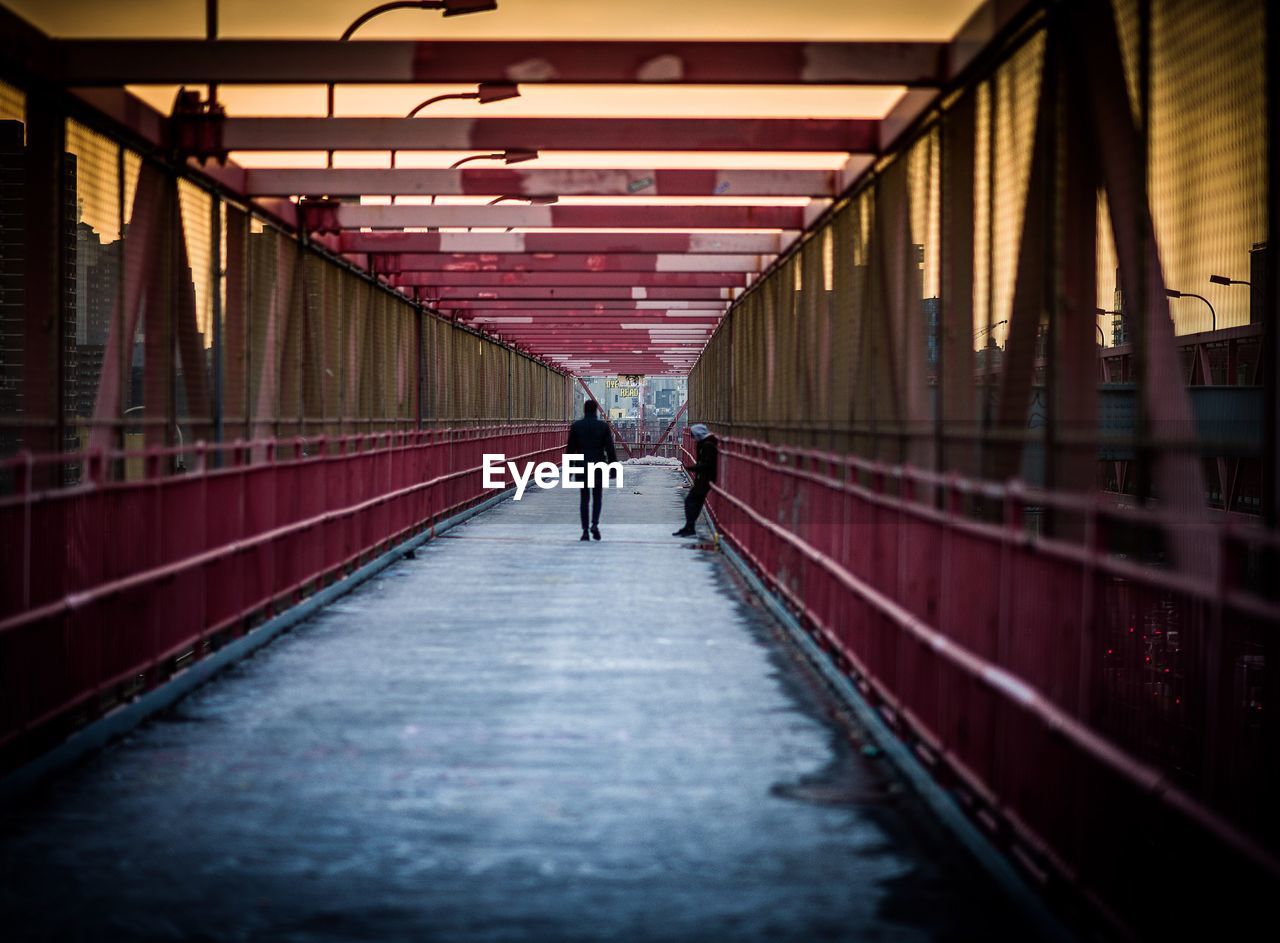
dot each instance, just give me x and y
(48, 223)
(215, 264)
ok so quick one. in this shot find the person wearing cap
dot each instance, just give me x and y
(706, 463)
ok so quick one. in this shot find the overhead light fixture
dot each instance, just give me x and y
(485, 93)
(448, 7)
(1213, 315)
(531, 200)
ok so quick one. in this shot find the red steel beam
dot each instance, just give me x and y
(178, 61)
(628, 317)
(573, 279)
(537, 182)
(352, 216)
(854, 135)
(671, 425)
(570, 306)
(605, 242)
(536, 293)
(388, 263)
(624, 341)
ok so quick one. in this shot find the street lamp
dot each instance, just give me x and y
(1188, 294)
(509, 156)
(1102, 336)
(532, 200)
(447, 7)
(485, 93)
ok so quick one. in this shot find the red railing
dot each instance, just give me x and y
(105, 585)
(1078, 697)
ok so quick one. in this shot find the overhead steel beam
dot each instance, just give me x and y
(588, 321)
(603, 242)
(270, 61)
(353, 216)
(629, 325)
(855, 135)
(583, 294)
(593, 307)
(565, 279)
(500, 181)
(612, 328)
(562, 262)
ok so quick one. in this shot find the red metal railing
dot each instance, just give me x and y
(1076, 695)
(104, 585)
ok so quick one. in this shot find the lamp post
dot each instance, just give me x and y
(1101, 334)
(532, 201)
(1224, 280)
(1172, 293)
(447, 7)
(509, 156)
(485, 93)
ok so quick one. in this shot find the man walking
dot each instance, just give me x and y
(704, 468)
(590, 437)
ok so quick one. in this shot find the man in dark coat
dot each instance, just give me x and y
(706, 464)
(591, 438)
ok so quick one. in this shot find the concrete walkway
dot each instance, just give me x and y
(514, 736)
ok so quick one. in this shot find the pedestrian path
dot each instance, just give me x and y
(512, 736)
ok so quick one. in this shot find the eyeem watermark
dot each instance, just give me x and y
(568, 474)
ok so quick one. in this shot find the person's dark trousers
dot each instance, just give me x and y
(693, 503)
(596, 496)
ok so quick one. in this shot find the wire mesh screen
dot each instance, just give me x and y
(183, 318)
(1057, 278)
(1008, 342)
(12, 258)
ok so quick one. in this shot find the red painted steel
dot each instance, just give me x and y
(1071, 693)
(400, 216)
(574, 279)
(132, 61)
(602, 242)
(852, 135)
(85, 617)
(494, 181)
(580, 262)
(675, 419)
(589, 308)
(536, 293)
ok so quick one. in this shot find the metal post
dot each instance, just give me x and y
(215, 255)
(44, 287)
